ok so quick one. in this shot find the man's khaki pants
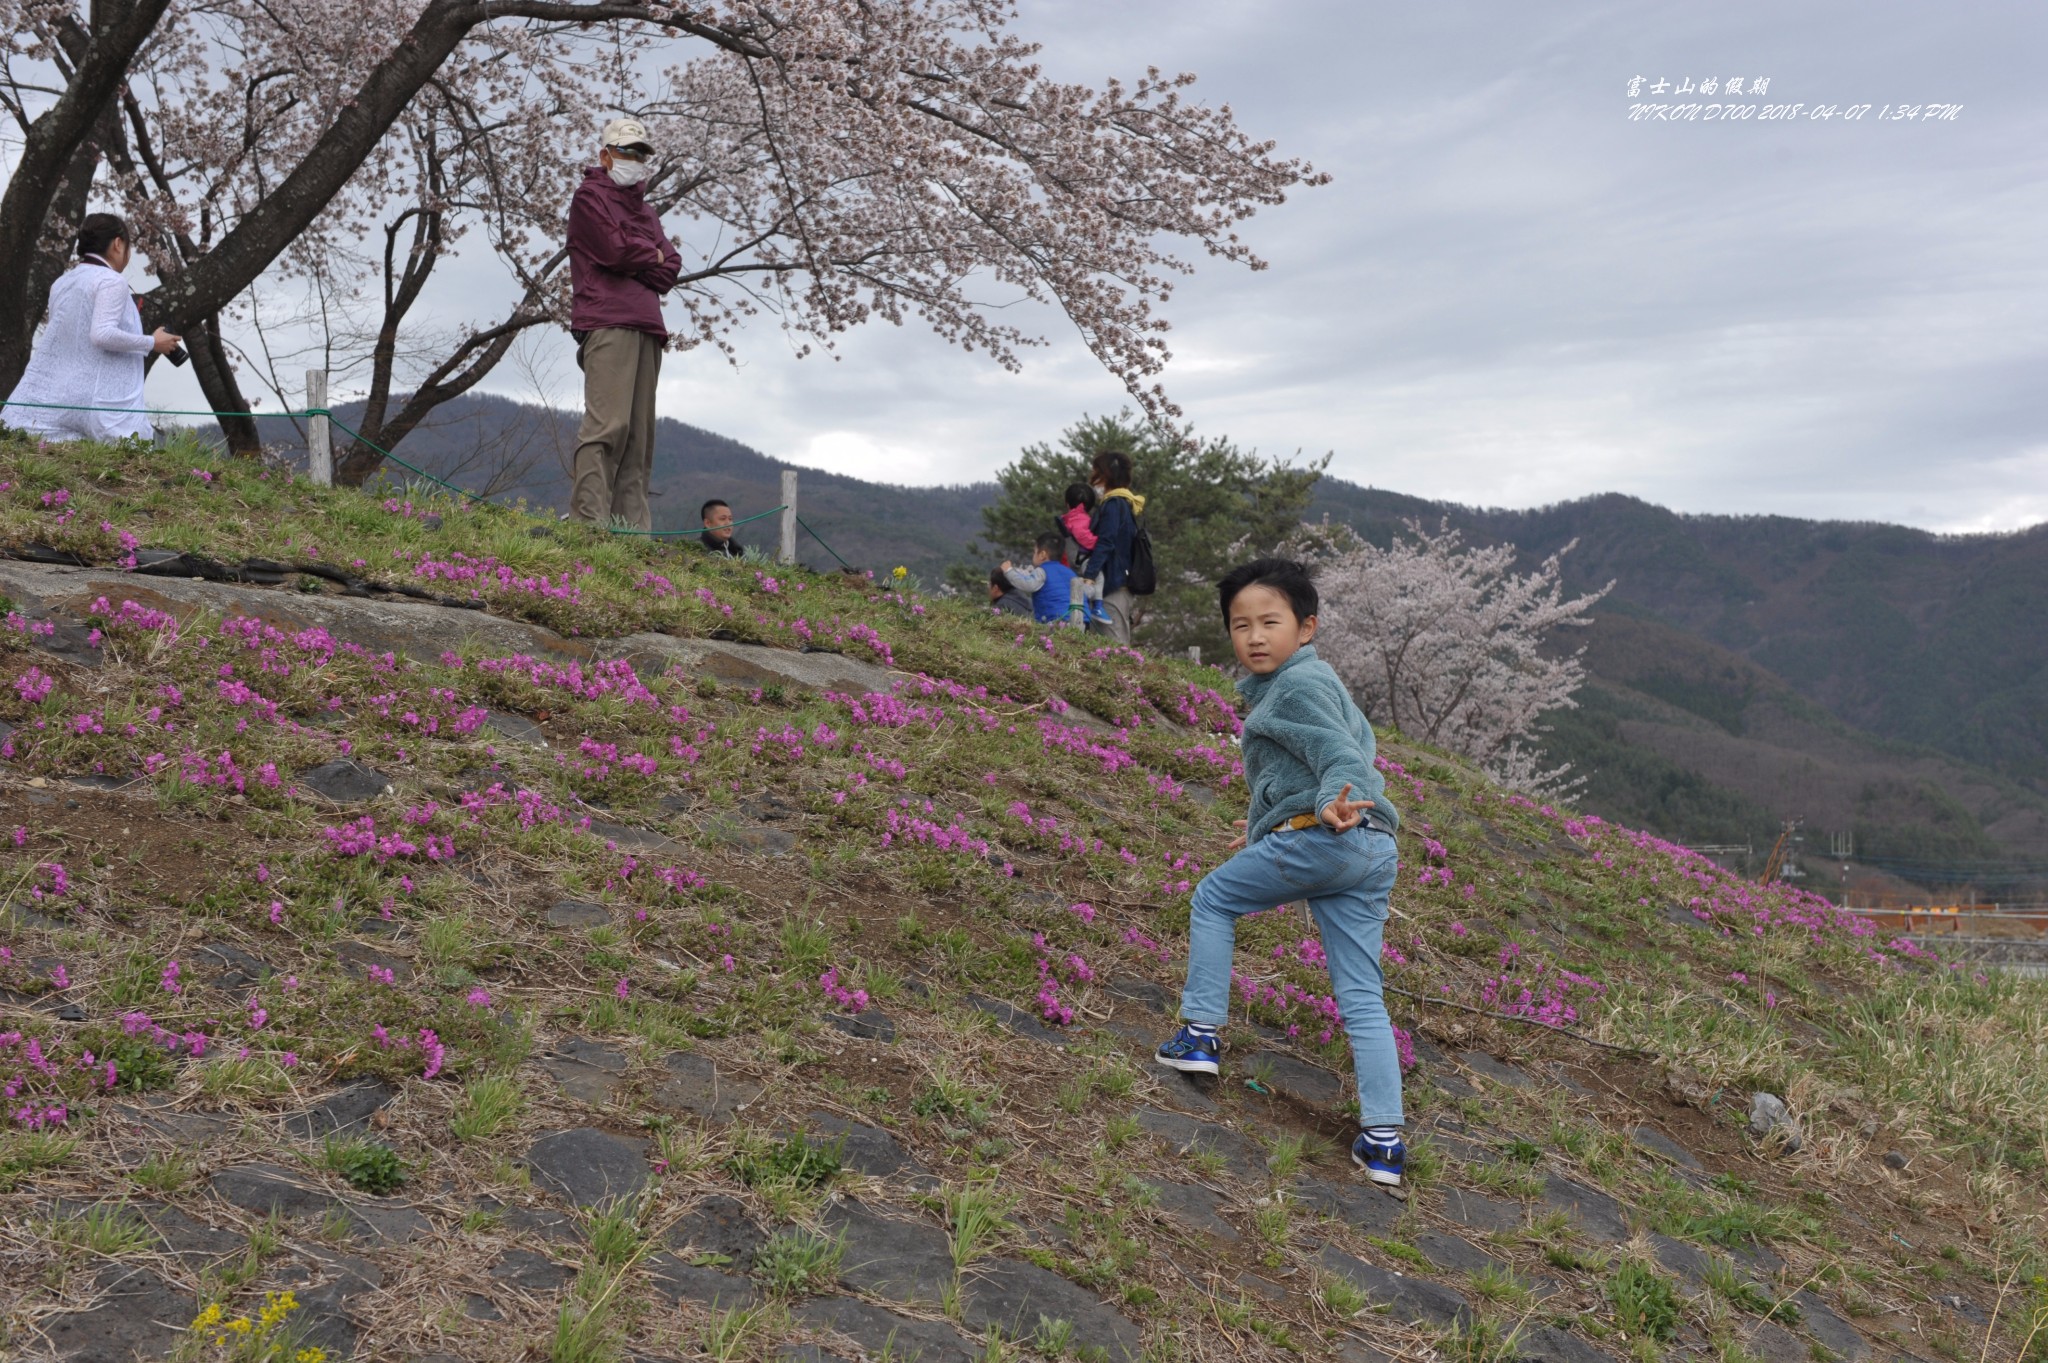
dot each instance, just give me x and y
(615, 444)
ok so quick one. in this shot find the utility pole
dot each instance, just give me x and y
(787, 552)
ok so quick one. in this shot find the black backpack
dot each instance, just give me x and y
(1141, 578)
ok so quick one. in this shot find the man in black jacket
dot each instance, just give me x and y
(717, 536)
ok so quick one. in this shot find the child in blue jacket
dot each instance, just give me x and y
(1319, 829)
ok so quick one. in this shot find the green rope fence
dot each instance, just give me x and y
(360, 438)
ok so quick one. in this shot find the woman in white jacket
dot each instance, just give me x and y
(91, 352)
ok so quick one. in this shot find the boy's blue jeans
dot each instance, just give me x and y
(1347, 879)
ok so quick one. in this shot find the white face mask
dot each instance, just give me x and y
(625, 173)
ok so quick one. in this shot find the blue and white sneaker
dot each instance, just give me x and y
(1382, 1163)
(1191, 1052)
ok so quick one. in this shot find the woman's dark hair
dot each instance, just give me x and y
(1283, 575)
(1080, 494)
(1112, 469)
(99, 231)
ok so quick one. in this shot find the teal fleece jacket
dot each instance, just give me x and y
(1304, 739)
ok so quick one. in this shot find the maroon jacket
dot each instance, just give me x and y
(614, 242)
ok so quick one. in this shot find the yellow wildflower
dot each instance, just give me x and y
(900, 572)
(208, 1318)
(276, 1306)
(240, 1325)
(314, 1355)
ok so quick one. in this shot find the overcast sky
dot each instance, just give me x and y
(1511, 294)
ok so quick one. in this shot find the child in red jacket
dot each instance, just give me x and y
(1086, 603)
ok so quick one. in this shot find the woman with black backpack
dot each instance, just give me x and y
(1122, 557)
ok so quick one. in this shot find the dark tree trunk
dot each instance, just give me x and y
(223, 393)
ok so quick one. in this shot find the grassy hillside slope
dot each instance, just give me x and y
(380, 987)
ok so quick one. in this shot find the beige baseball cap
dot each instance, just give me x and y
(627, 132)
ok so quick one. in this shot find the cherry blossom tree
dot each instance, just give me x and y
(1449, 644)
(826, 163)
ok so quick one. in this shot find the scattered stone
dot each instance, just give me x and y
(1453, 1254)
(1597, 1214)
(529, 1272)
(630, 838)
(360, 957)
(864, 1149)
(1828, 1326)
(1688, 1261)
(679, 1282)
(266, 1189)
(1260, 1287)
(139, 1316)
(756, 838)
(517, 727)
(1310, 1085)
(1768, 1114)
(346, 781)
(869, 1024)
(1153, 996)
(1359, 1205)
(906, 1261)
(576, 913)
(1479, 1211)
(544, 1222)
(695, 1085)
(1195, 1205)
(806, 1353)
(1964, 1307)
(390, 1224)
(189, 1238)
(1479, 1062)
(1894, 1159)
(348, 1275)
(718, 1228)
(1548, 1344)
(1186, 1133)
(588, 1071)
(479, 1307)
(1017, 1020)
(343, 1113)
(588, 1166)
(239, 970)
(1190, 1091)
(1013, 1297)
(883, 1333)
(1657, 1143)
(1773, 1343)
(1413, 1301)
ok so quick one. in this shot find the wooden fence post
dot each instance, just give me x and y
(319, 435)
(787, 552)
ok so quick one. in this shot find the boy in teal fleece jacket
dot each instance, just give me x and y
(1319, 828)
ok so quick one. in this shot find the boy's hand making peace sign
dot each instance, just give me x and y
(1344, 814)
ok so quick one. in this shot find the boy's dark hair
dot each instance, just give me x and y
(1080, 494)
(98, 232)
(704, 511)
(1112, 468)
(996, 579)
(1283, 575)
(1054, 545)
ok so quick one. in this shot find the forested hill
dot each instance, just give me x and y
(1872, 679)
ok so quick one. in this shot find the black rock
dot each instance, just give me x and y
(139, 1316)
(1310, 1085)
(1479, 1211)
(530, 1272)
(695, 1085)
(517, 727)
(1013, 1296)
(1548, 1344)
(1196, 1205)
(576, 913)
(588, 1166)
(907, 1261)
(1827, 1325)
(359, 957)
(1361, 1206)
(1479, 1062)
(719, 1227)
(342, 1113)
(266, 1189)
(880, 1332)
(1657, 1143)
(808, 1353)
(1686, 1260)
(1453, 1254)
(1153, 996)
(479, 1307)
(1017, 1020)
(869, 1024)
(1412, 1301)
(862, 1148)
(1596, 1214)
(588, 1071)
(1186, 1133)
(1894, 1159)
(678, 1282)
(345, 781)
(191, 1239)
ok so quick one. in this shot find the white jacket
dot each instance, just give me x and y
(90, 355)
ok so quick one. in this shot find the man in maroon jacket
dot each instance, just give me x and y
(620, 264)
